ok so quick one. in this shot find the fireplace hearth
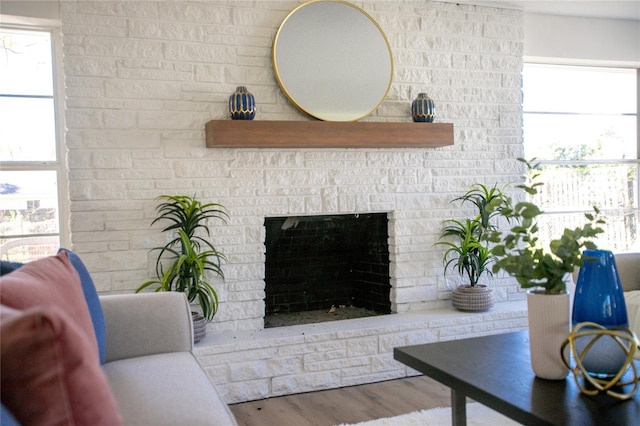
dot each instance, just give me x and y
(323, 268)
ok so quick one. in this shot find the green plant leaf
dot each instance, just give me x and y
(182, 263)
(467, 240)
(518, 252)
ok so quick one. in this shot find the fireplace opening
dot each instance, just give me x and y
(325, 268)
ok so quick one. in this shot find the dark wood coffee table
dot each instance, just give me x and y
(496, 371)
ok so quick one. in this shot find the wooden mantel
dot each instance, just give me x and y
(326, 134)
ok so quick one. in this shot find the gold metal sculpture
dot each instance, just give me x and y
(628, 343)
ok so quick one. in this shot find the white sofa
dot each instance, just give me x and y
(70, 356)
(629, 271)
(154, 376)
(628, 265)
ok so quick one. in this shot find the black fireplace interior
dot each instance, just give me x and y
(326, 264)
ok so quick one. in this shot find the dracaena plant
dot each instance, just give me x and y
(518, 250)
(183, 262)
(468, 250)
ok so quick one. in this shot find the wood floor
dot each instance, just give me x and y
(346, 405)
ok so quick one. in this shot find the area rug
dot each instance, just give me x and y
(477, 415)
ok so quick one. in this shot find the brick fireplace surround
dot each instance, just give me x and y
(143, 77)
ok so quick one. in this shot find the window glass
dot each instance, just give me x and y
(552, 88)
(579, 137)
(579, 187)
(619, 235)
(29, 202)
(25, 63)
(29, 166)
(27, 129)
(579, 113)
(581, 124)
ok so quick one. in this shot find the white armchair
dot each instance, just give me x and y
(154, 376)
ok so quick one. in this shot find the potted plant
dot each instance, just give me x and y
(543, 271)
(183, 262)
(469, 253)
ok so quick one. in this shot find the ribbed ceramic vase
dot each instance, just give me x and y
(199, 326)
(548, 328)
(423, 109)
(599, 298)
(242, 104)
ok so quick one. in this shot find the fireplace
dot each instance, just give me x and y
(323, 268)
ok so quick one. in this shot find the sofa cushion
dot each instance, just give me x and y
(49, 373)
(628, 265)
(93, 301)
(632, 300)
(166, 389)
(50, 281)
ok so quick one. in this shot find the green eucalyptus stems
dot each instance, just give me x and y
(518, 250)
(469, 253)
(182, 262)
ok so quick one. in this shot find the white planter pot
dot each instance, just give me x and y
(548, 328)
(472, 299)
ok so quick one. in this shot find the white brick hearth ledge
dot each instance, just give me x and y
(251, 365)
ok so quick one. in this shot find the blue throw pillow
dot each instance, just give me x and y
(6, 418)
(6, 267)
(93, 302)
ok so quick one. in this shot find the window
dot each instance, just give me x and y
(31, 172)
(581, 124)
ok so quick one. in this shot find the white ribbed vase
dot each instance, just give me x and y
(548, 328)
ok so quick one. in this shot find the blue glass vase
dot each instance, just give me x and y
(599, 298)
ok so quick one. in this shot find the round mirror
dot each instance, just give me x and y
(332, 60)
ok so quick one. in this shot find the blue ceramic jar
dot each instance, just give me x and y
(242, 104)
(423, 109)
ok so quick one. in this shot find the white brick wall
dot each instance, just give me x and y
(273, 362)
(142, 79)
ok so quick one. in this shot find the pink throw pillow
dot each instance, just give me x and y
(50, 281)
(49, 374)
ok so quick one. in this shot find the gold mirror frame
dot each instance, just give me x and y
(332, 60)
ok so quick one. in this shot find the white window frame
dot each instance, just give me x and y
(59, 165)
